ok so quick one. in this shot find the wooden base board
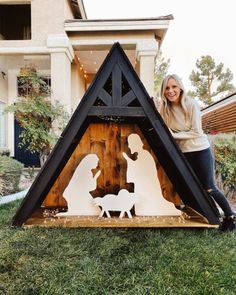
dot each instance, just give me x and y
(182, 221)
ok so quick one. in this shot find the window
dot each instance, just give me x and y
(15, 21)
(2, 126)
(22, 90)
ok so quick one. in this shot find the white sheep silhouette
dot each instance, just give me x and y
(123, 202)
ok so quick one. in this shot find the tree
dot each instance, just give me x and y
(210, 80)
(41, 119)
(161, 69)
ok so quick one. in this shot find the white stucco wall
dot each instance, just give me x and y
(47, 17)
(3, 80)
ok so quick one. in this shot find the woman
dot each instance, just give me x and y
(182, 115)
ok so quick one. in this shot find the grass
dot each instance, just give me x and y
(114, 261)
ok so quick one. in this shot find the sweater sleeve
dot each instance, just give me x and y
(195, 125)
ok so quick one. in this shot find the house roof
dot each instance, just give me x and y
(158, 25)
(87, 36)
(104, 99)
(165, 17)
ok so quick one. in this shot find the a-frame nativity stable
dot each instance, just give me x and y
(115, 105)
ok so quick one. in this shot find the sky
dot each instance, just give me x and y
(200, 27)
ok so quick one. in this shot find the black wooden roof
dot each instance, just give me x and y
(118, 94)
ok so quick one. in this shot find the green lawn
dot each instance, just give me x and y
(114, 261)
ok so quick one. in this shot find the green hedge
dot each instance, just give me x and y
(1, 184)
(224, 146)
(10, 171)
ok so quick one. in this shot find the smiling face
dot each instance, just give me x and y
(172, 91)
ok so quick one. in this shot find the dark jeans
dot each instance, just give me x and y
(202, 163)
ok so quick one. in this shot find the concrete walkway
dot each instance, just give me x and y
(13, 197)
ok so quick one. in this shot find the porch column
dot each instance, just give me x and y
(61, 79)
(12, 95)
(61, 58)
(146, 53)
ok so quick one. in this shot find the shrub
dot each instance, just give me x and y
(41, 119)
(4, 152)
(10, 171)
(1, 184)
(224, 146)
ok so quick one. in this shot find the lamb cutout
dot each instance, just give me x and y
(122, 202)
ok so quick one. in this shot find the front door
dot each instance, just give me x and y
(21, 153)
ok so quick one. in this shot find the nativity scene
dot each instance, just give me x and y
(116, 164)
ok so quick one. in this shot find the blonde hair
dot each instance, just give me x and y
(165, 107)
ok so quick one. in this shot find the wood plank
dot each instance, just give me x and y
(135, 222)
(105, 97)
(128, 98)
(98, 140)
(228, 117)
(99, 111)
(116, 86)
(218, 118)
(112, 159)
(47, 218)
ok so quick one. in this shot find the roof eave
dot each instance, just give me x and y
(219, 104)
(157, 25)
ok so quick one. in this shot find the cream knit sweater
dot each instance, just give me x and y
(188, 135)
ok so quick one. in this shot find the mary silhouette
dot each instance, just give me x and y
(79, 200)
(142, 172)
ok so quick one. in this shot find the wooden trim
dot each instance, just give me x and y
(116, 111)
(128, 98)
(104, 96)
(135, 222)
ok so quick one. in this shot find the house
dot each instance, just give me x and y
(67, 49)
(220, 117)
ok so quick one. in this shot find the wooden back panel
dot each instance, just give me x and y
(108, 141)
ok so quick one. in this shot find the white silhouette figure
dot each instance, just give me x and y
(142, 172)
(122, 202)
(79, 200)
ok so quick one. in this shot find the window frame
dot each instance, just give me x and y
(3, 126)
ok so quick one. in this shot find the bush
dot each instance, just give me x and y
(41, 119)
(4, 152)
(10, 171)
(1, 184)
(224, 146)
